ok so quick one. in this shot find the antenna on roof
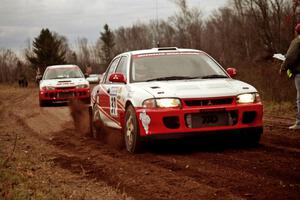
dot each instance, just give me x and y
(157, 44)
(155, 33)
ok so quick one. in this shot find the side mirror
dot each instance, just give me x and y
(117, 78)
(232, 72)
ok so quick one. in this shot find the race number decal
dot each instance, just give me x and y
(113, 105)
(113, 101)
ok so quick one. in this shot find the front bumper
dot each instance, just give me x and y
(64, 94)
(189, 120)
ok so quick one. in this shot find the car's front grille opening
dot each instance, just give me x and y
(208, 102)
(171, 122)
(52, 94)
(65, 94)
(211, 119)
(65, 88)
(83, 93)
(234, 117)
(249, 117)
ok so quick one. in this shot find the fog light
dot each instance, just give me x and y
(188, 120)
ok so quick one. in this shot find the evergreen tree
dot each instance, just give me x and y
(47, 50)
(107, 39)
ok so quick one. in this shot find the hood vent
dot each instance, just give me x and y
(155, 87)
(167, 48)
(64, 81)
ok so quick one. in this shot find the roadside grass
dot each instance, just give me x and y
(12, 183)
(21, 176)
(11, 179)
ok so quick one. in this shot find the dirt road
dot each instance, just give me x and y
(68, 165)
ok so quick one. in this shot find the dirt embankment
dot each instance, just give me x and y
(55, 161)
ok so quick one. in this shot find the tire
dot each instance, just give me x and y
(94, 129)
(131, 131)
(251, 137)
(43, 103)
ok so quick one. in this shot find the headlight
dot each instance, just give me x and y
(248, 98)
(48, 88)
(82, 86)
(162, 103)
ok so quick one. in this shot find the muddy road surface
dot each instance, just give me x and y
(206, 168)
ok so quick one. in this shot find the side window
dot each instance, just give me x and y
(111, 69)
(122, 67)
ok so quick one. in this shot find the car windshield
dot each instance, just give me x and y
(174, 66)
(64, 72)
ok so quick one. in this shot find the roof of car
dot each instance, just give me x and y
(62, 66)
(162, 49)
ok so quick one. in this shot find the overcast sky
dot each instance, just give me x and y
(21, 20)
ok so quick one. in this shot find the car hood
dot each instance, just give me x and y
(67, 82)
(197, 88)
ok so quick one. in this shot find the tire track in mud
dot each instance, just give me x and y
(240, 171)
(218, 178)
(128, 173)
(240, 179)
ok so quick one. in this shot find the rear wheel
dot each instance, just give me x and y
(86, 101)
(95, 122)
(131, 131)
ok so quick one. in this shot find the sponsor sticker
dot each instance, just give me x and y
(145, 119)
(165, 54)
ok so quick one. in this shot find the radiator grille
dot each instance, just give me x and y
(208, 102)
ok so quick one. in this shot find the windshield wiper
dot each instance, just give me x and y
(214, 76)
(168, 78)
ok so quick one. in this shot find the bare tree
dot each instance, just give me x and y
(188, 25)
(8, 63)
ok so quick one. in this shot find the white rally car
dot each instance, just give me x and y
(171, 92)
(62, 82)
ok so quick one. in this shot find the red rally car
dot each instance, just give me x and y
(171, 92)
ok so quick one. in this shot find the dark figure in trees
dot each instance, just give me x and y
(23, 81)
(38, 76)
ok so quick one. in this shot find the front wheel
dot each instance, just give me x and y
(251, 137)
(43, 103)
(131, 131)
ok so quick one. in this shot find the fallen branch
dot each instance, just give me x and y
(12, 152)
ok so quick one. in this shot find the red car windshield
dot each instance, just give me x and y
(174, 66)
